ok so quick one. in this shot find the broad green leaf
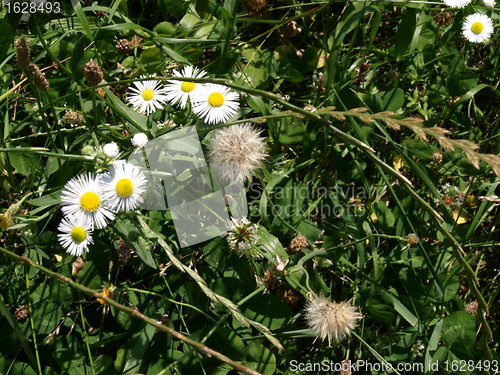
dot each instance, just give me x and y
(459, 330)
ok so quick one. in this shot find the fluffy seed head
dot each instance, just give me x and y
(236, 152)
(22, 52)
(93, 73)
(331, 320)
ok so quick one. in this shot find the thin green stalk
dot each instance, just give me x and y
(132, 312)
(86, 340)
(173, 301)
(29, 353)
(45, 151)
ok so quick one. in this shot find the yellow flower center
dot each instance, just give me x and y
(477, 27)
(216, 99)
(90, 201)
(124, 187)
(147, 94)
(188, 86)
(78, 234)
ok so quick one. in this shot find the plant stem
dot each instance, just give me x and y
(133, 312)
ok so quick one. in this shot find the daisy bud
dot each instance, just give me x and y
(140, 140)
(236, 152)
(331, 320)
(88, 150)
(22, 52)
(93, 73)
(36, 75)
(111, 150)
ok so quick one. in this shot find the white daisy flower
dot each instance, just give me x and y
(477, 28)
(82, 197)
(178, 92)
(139, 140)
(123, 185)
(76, 235)
(215, 103)
(147, 96)
(111, 150)
(457, 3)
(489, 3)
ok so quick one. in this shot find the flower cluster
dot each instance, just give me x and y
(89, 201)
(212, 102)
(241, 236)
(477, 27)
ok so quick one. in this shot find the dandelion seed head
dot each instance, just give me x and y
(236, 152)
(331, 321)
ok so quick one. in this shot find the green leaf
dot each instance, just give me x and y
(135, 119)
(384, 214)
(267, 310)
(260, 358)
(270, 246)
(6, 38)
(393, 100)
(134, 238)
(25, 163)
(406, 30)
(46, 200)
(142, 343)
(459, 330)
